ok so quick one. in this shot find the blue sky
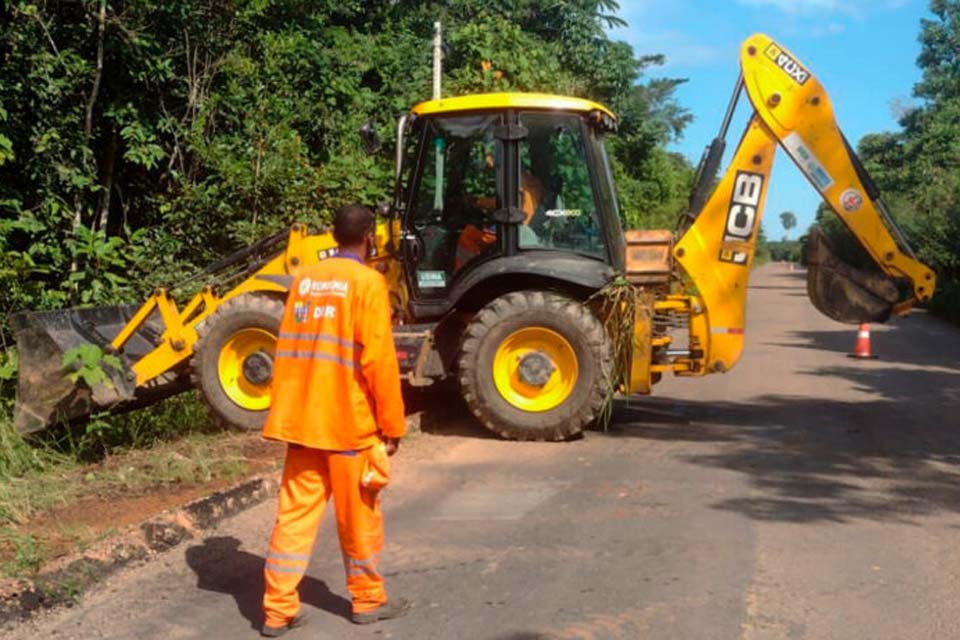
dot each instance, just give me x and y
(863, 51)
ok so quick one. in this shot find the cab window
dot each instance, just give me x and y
(556, 190)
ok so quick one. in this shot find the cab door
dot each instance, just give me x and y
(455, 189)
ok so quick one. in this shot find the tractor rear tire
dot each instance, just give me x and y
(535, 365)
(237, 392)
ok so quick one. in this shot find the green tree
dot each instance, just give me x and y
(788, 220)
(140, 141)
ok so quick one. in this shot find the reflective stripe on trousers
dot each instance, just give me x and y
(310, 478)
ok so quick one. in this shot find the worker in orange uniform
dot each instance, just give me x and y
(337, 403)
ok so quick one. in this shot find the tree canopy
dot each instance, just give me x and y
(141, 140)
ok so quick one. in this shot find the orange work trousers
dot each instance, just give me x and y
(310, 478)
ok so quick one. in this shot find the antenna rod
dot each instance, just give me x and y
(437, 59)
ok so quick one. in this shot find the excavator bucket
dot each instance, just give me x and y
(842, 292)
(45, 393)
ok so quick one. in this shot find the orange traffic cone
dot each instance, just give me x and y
(861, 349)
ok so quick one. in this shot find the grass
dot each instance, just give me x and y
(169, 447)
(172, 442)
(105, 434)
(17, 457)
(23, 552)
(28, 475)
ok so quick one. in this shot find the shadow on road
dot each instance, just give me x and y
(888, 451)
(443, 411)
(896, 457)
(893, 344)
(222, 567)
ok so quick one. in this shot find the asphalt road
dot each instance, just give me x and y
(803, 495)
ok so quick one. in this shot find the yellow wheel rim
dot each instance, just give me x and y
(246, 393)
(535, 369)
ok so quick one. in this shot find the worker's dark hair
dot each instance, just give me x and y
(351, 223)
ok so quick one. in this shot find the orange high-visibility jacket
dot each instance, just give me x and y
(336, 381)
(472, 241)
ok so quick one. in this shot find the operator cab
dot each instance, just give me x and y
(487, 177)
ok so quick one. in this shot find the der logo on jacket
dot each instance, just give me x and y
(301, 311)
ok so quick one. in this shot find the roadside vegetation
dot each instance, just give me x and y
(141, 142)
(54, 490)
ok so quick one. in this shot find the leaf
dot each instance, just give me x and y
(9, 365)
(6, 150)
(87, 363)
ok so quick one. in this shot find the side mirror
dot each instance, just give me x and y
(370, 139)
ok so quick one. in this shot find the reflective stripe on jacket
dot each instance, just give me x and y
(336, 381)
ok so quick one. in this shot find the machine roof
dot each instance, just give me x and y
(479, 101)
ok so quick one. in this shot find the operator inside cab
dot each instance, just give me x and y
(474, 240)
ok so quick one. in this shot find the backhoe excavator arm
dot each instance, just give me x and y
(718, 241)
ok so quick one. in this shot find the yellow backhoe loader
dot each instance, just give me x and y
(504, 223)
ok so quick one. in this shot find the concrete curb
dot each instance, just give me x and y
(68, 578)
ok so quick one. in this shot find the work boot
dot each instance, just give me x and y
(391, 609)
(275, 632)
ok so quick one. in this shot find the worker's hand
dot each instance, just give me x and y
(393, 445)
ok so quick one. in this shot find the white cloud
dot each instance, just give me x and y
(831, 29)
(801, 6)
(680, 49)
(820, 7)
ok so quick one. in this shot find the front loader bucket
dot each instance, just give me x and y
(45, 395)
(842, 292)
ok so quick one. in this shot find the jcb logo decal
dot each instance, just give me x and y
(789, 66)
(742, 215)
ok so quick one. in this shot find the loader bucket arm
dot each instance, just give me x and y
(155, 341)
(718, 236)
(45, 395)
(796, 109)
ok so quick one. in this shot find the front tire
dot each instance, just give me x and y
(233, 360)
(535, 366)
